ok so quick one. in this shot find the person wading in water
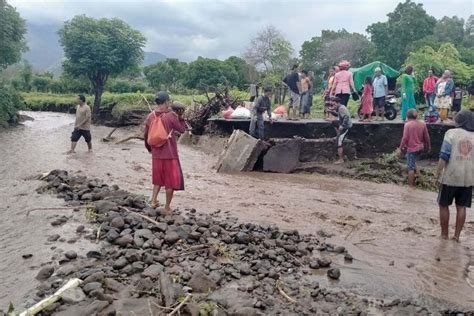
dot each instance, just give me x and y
(455, 172)
(166, 168)
(82, 126)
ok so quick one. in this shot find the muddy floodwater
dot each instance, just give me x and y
(391, 231)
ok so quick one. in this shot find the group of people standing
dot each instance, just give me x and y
(300, 87)
(441, 96)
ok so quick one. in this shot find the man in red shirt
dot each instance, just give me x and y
(429, 86)
(415, 139)
(166, 169)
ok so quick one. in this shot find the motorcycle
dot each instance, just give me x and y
(389, 107)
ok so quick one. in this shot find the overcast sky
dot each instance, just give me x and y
(218, 29)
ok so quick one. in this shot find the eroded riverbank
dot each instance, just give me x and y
(390, 230)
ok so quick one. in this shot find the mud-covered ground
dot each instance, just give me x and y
(391, 231)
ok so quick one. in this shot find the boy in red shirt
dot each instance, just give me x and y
(415, 139)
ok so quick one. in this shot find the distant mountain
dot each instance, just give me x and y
(45, 53)
(152, 58)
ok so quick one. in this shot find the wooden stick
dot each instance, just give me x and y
(149, 106)
(130, 138)
(174, 311)
(110, 134)
(291, 300)
(141, 215)
(48, 301)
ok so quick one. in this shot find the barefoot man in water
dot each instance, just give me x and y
(455, 173)
(166, 169)
(82, 126)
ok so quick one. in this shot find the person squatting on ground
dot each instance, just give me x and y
(343, 83)
(345, 124)
(455, 172)
(380, 85)
(415, 139)
(82, 125)
(262, 105)
(444, 88)
(292, 81)
(166, 168)
(305, 105)
(367, 100)
(408, 92)
(429, 85)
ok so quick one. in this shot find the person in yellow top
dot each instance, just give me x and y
(82, 125)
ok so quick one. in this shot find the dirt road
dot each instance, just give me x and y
(391, 231)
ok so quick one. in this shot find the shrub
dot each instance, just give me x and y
(10, 104)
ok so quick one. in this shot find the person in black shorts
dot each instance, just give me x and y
(82, 125)
(456, 166)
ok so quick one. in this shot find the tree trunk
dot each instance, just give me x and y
(98, 90)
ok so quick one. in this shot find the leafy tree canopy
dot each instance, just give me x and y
(446, 57)
(12, 35)
(99, 49)
(167, 75)
(408, 23)
(211, 72)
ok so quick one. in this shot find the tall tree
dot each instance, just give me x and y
(210, 72)
(409, 22)
(168, 74)
(450, 30)
(269, 50)
(99, 49)
(245, 73)
(322, 52)
(12, 35)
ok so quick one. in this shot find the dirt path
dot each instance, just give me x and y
(390, 230)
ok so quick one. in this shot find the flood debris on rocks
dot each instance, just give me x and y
(193, 264)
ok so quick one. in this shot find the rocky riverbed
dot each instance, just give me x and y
(149, 263)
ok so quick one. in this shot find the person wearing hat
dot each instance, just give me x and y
(343, 83)
(380, 85)
(455, 172)
(262, 105)
(166, 168)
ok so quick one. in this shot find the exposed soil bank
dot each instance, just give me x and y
(371, 139)
(391, 231)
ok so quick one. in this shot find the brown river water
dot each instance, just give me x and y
(391, 231)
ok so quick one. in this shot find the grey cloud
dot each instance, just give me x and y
(187, 29)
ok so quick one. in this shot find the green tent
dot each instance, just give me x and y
(368, 70)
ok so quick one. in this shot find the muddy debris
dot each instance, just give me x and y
(217, 264)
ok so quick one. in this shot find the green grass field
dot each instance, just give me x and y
(38, 101)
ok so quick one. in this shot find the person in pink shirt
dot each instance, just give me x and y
(415, 139)
(343, 83)
(429, 86)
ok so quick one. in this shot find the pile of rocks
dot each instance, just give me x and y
(149, 263)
